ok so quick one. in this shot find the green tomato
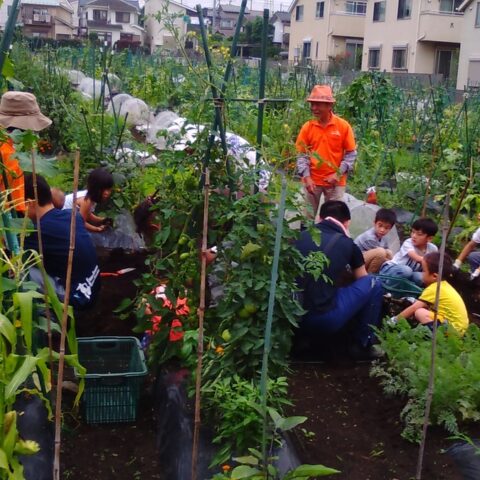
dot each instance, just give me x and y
(184, 256)
(183, 239)
(226, 335)
(250, 307)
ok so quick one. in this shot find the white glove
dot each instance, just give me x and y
(475, 274)
(457, 264)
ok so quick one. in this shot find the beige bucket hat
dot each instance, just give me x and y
(21, 110)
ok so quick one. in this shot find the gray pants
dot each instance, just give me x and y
(329, 193)
(35, 275)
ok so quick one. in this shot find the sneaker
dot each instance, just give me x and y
(359, 353)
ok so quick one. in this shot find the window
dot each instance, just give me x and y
(477, 16)
(320, 10)
(356, 8)
(374, 58)
(404, 9)
(449, 6)
(40, 11)
(379, 11)
(100, 15)
(307, 47)
(226, 24)
(399, 58)
(299, 13)
(353, 54)
(122, 17)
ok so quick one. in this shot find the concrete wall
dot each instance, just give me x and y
(469, 62)
(4, 13)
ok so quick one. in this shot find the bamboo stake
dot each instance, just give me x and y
(61, 359)
(201, 314)
(431, 378)
(42, 269)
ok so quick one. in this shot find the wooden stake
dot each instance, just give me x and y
(431, 378)
(201, 314)
(61, 360)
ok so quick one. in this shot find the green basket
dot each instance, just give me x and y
(115, 370)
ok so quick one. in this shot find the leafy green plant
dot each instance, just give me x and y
(232, 403)
(406, 373)
(251, 467)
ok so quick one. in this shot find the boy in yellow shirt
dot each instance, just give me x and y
(451, 307)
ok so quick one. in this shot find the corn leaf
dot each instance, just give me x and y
(7, 330)
(20, 376)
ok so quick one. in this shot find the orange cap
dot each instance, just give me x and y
(321, 93)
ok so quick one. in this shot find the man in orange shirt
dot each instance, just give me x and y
(18, 110)
(327, 150)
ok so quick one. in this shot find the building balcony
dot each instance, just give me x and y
(438, 26)
(344, 24)
(38, 20)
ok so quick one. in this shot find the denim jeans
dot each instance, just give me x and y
(402, 271)
(361, 302)
(474, 260)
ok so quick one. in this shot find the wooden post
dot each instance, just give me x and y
(61, 359)
(201, 314)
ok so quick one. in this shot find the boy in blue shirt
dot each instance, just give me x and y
(373, 242)
(407, 262)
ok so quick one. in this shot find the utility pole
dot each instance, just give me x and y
(214, 15)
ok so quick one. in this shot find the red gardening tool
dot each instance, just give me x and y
(117, 273)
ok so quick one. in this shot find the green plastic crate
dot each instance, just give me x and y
(115, 370)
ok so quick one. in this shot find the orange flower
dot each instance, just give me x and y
(226, 468)
(219, 350)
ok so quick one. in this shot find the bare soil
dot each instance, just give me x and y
(351, 425)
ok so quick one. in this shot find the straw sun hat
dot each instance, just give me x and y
(21, 110)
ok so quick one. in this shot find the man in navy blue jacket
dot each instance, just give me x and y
(329, 307)
(55, 229)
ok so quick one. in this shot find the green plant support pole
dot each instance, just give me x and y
(12, 240)
(261, 89)
(271, 305)
(4, 48)
(8, 34)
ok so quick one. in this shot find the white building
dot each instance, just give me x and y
(469, 61)
(158, 31)
(112, 20)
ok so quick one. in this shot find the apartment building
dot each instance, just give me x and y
(469, 62)
(414, 36)
(326, 31)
